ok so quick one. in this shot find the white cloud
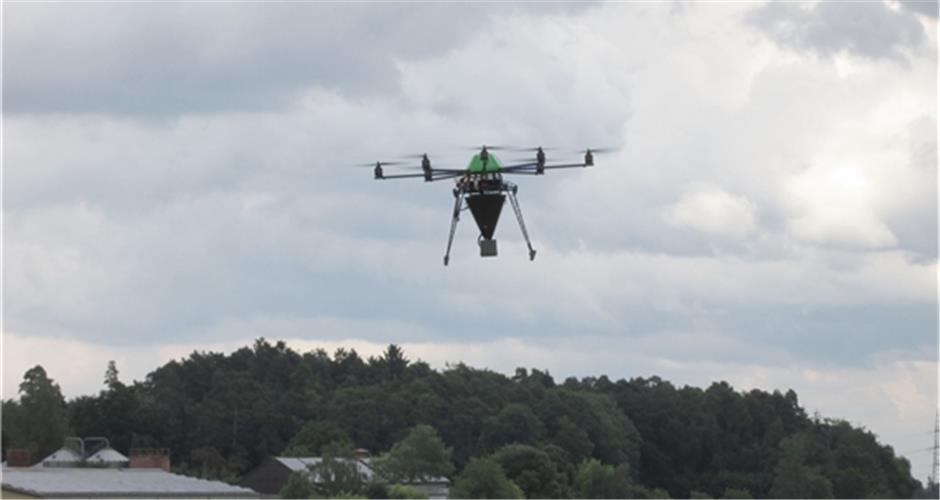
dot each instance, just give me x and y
(833, 206)
(713, 211)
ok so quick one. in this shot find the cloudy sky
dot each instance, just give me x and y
(174, 179)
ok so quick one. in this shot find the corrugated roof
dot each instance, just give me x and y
(61, 482)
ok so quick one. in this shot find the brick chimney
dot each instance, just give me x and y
(19, 457)
(150, 458)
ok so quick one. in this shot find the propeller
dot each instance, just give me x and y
(599, 151)
(489, 148)
(532, 150)
(416, 156)
(381, 163)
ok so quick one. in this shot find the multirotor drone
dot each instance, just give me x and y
(482, 187)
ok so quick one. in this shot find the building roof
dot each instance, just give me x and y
(421, 480)
(304, 463)
(108, 455)
(80, 482)
(362, 465)
(61, 456)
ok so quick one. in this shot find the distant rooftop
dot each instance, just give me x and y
(108, 456)
(304, 464)
(58, 482)
(363, 465)
(68, 457)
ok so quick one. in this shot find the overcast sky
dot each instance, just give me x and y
(174, 179)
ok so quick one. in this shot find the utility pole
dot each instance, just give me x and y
(935, 468)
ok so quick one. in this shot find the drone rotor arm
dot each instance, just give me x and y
(532, 170)
(569, 165)
(510, 168)
(521, 171)
(401, 176)
(449, 170)
(447, 176)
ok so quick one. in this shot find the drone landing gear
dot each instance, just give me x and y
(458, 200)
(515, 208)
(485, 207)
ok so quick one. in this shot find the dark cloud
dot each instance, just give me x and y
(167, 59)
(925, 7)
(864, 29)
(123, 230)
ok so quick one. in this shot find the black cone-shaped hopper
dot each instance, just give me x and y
(485, 209)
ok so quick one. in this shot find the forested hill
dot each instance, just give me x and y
(220, 415)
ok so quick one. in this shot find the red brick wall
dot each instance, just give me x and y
(150, 461)
(17, 457)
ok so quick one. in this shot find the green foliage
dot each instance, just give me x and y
(573, 439)
(337, 472)
(659, 493)
(484, 478)
(532, 470)
(298, 486)
(515, 423)
(794, 477)
(314, 436)
(221, 415)
(377, 489)
(402, 491)
(39, 422)
(597, 480)
(931, 490)
(206, 462)
(420, 455)
(736, 493)
(13, 422)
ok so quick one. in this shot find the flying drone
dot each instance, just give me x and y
(481, 187)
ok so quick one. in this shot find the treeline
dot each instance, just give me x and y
(220, 415)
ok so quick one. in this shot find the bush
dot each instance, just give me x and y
(401, 491)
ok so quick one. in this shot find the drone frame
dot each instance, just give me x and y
(476, 184)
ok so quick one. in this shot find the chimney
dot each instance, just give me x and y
(361, 453)
(150, 458)
(19, 457)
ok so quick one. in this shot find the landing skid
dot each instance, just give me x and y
(466, 189)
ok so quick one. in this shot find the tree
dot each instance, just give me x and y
(597, 480)
(314, 436)
(298, 486)
(532, 470)
(573, 440)
(484, 478)
(515, 423)
(402, 491)
(395, 361)
(337, 472)
(111, 380)
(44, 424)
(794, 479)
(224, 413)
(736, 493)
(420, 455)
(13, 425)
